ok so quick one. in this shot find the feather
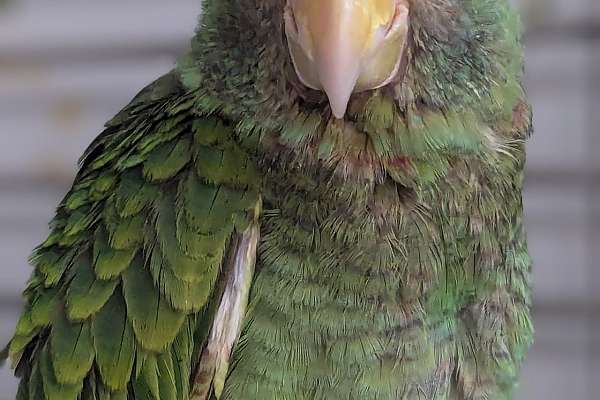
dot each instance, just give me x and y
(124, 272)
(114, 343)
(86, 294)
(133, 193)
(182, 295)
(146, 385)
(210, 131)
(36, 388)
(108, 262)
(182, 355)
(154, 321)
(167, 160)
(4, 355)
(127, 233)
(53, 390)
(166, 378)
(52, 263)
(71, 349)
(190, 269)
(44, 306)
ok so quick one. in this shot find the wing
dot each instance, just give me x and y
(125, 287)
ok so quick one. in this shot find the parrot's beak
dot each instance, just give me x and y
(346, 46)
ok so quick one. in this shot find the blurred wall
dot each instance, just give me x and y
(66, 66)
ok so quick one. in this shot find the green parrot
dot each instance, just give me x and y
(323, 200)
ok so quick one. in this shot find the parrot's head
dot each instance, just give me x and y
(325, 74)
(346, 46)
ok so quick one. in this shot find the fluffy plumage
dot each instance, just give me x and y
(392, 261)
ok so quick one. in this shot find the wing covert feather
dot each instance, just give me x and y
(134, 255)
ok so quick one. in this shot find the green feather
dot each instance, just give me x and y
(52, 263)
(77, 199)
(155, 322)
(166, 131)
(166, 378)
(44, 306)
(182, 295)
(36, 385)
(182, 355)
(228, 165)
(197, 244)
(4, 354)
(119, 395)
(102, 186)
(126, 233)
(146, 385)
(133, 193)
(184, 267)
(80, 220)
(25, 325)
(167, 160)
(71, 349)
(108, 262)
(86, 294)
(210, 131)
(53, 390)
(114, 343)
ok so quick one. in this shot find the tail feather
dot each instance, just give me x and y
(4, 355)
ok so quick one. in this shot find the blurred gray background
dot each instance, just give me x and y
(66, 66)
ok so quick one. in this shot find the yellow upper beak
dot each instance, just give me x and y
(345, 46)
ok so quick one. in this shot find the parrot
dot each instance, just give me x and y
(321, 200)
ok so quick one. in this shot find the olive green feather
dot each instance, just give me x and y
(86, 294)
(131, 259)
(52, 388)
(154, 322)
(108, 262)
(114, 343)
(71, 349)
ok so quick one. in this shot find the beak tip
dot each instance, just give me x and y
(339, 113)
(339, 87)
(339, 105)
